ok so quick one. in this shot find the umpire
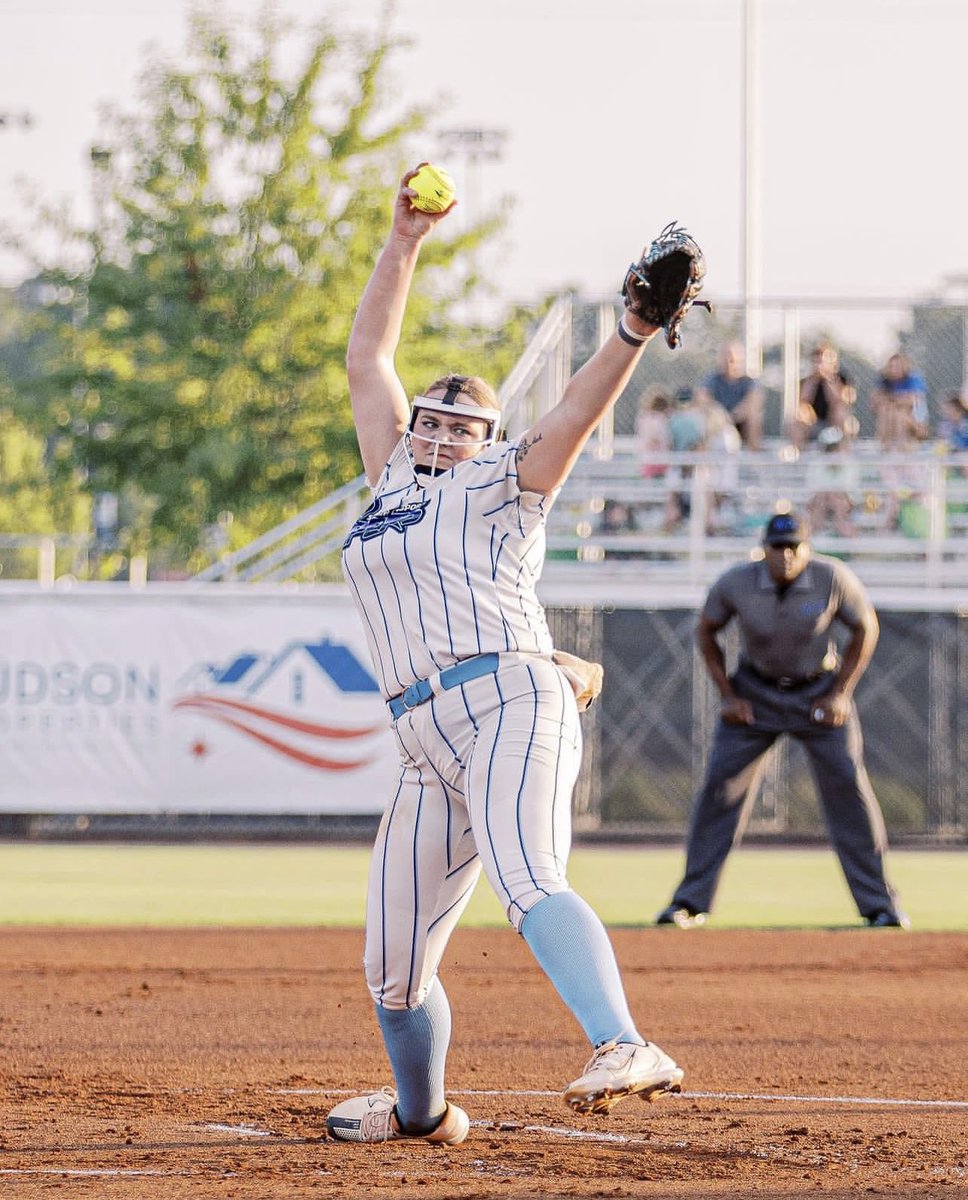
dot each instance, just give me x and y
(790, 679)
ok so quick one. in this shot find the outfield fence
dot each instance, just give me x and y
(648, 737)
(213, 710)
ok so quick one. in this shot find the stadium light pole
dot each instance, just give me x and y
(752, 267)
(474, 146)
(9, 120)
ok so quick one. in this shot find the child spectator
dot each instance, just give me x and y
(652, 433)
(953, 423)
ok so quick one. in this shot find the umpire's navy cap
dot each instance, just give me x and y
(786, 529)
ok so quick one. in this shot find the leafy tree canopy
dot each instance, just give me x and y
(194, 362)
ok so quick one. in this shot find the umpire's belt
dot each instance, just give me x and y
(785, 683)
(425, 689)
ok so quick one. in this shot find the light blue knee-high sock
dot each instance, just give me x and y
(416, 1040)
(573, 949)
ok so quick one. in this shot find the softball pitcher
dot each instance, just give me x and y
(443, 567)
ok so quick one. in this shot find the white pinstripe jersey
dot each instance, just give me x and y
(446, 569)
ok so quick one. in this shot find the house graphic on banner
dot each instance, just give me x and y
(314, 703)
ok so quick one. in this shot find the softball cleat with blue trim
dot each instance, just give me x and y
(373, 1118)
(619, 1069)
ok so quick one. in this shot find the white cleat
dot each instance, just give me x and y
(620, 1069)
(373, 1118)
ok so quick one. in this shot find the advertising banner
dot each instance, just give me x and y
(178, 698)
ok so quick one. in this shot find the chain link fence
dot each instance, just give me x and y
(933, 334)
(648, 736)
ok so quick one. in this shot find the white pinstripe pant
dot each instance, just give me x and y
(486, 782)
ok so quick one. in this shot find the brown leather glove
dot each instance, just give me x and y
(663, 285)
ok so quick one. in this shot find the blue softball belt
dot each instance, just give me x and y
(425, 689)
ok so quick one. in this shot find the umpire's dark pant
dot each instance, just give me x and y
(736, 763)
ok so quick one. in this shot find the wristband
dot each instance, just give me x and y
(627, 336)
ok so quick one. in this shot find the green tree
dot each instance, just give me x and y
(32, 501)
(194, 364)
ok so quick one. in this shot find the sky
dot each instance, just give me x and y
(616, 116)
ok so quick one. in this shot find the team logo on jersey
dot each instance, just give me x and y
(813, 608)
(375, 522)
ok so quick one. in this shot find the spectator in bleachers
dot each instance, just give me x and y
(652, 432)
(952, 427)
(900, 405)
(827, 398)
(833, 481)
(723, 443)
(737, 393)
(953, 435)
(687, 425)
(617, 517)
(691, 425)
(687, 432)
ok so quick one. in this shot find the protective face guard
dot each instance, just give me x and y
(448, 405)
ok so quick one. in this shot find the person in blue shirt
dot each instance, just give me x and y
(900, 405)
(687, 435)
(953, 422)
(738, 393)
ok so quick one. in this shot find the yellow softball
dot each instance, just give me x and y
(435, 189)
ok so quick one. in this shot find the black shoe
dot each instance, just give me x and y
(887, 919)
(681, 915)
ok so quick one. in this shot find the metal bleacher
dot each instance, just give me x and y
(730, 498)
(296, 548)
(730, 502)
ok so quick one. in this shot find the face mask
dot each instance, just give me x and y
(448, 404)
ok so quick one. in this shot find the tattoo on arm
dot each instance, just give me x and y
(525, 446)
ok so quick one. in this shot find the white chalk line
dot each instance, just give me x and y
(253, 1131)
(241, 1130)
(875, 1101)
(96, 1172)
(879, 1101)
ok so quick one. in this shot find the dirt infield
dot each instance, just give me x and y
(201, 1064)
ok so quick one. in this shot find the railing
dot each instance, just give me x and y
(282, 552)
(927, 551)
(41, 551)
(908, 513)
(534, 384)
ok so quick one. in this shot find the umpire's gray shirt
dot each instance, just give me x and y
(788, 634)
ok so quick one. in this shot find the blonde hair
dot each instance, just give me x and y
(477, 390)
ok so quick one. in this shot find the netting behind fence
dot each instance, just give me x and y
(651, 731)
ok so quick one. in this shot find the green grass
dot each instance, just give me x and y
(320, 885)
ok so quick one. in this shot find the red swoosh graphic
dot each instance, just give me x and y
(310, 760)
(216, 703)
